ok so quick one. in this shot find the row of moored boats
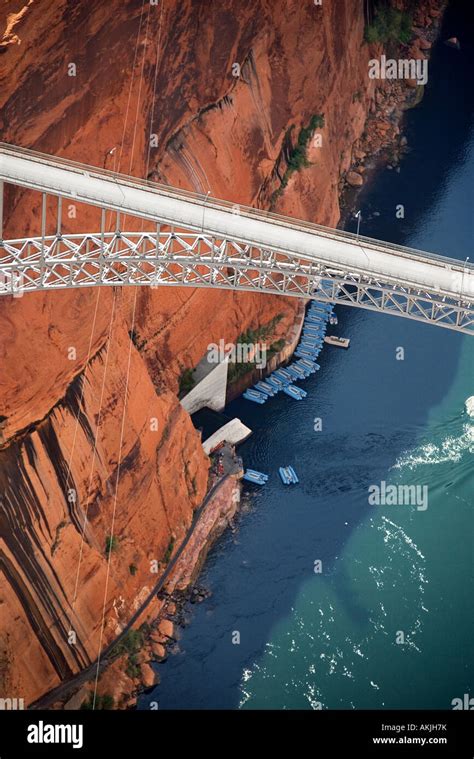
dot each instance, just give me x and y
(306, 353)
(282, 379)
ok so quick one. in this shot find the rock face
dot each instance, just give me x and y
(96, 451)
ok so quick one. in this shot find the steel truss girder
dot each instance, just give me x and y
(189, 259)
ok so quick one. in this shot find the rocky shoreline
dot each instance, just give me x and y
(383, 142)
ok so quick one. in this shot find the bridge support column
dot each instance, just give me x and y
(101, 252)
(2, 183)
(158, 230)
(43, 235)
(58, 228)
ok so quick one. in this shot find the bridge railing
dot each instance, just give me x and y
(243, 210)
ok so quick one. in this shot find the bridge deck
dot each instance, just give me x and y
(181, 209)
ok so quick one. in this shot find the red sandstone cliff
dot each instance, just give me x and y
(71, 421)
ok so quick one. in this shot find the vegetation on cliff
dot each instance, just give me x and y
(297, 158)
(252, 337)
(389, 25)
(101, 702)
(186, 382)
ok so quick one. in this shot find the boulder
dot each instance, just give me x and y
(453, 42)
(147, 675)
(424, 44)
(382, 127)
(166, 628)
(415, 53)
(354, 179)
(157, 637)
(158, 650)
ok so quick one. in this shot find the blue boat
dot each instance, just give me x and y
(305, 353)
(254, 396)
(315, 327)
(288, 475)
(259, 474)
(314, 319)
(257, 478)
(264, 387)
(294, 477)
(317, 305)
(285, 477)
(295, 392)
(316, 343)
(305, 346)
(315, 314)
(256, 393)
(283, 375)
(310, 366)
(300, 371)
(275, 383)
(321, 315)
(295, 373)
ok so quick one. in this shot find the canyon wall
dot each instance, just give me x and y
(97, 458)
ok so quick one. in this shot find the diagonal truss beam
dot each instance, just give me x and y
(189, 259)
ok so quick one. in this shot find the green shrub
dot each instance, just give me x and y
(186, 382)
(111, 544)
(101, 702)
(275, 347)
(169, 550)
(133, 668)
(297, 158)
(389, 25)
(132, 569)
(133, 335)
(131, 643)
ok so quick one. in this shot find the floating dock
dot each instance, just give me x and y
(234, 432)
(312, 339)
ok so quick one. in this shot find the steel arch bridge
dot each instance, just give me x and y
(198, 241)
